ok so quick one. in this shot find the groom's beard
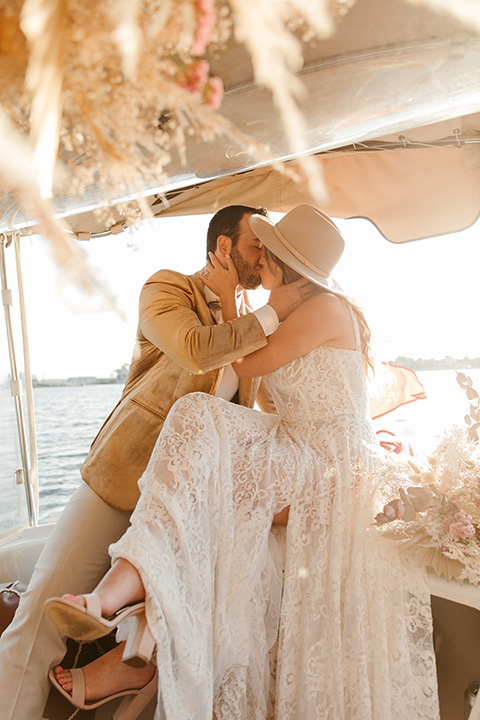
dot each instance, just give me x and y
(248, 277)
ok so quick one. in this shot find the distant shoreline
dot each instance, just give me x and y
(118, 377)
(78, 382)
(447, 363)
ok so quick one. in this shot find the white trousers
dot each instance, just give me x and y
(74, 559)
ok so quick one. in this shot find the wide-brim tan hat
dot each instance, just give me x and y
(305, 239)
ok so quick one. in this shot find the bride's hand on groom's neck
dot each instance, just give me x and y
(284, 299)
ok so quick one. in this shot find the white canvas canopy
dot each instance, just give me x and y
(407, 189)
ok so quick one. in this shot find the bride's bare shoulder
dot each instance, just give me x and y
(322, 319)
(324, 302)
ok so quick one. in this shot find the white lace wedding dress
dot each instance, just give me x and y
(346, 620)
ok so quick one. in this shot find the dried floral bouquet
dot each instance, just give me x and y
(104, 94)
(437, 519)
(98, 97)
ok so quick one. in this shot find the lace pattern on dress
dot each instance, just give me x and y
(324, 620)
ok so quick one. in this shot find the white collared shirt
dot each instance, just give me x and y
(266, 316)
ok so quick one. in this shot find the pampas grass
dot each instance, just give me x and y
(16, 177)
(43, 22)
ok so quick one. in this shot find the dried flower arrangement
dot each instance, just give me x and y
(113, 87)
(97, 97)
(437, 520)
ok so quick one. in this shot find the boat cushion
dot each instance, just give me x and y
(9, 599)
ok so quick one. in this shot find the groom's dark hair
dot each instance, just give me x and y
(227, 222)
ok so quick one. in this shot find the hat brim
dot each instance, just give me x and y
(263, 229)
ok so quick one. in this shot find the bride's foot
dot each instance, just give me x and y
(107, 675)
(121, 586)
(118, 596)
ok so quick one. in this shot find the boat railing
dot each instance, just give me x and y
(28, 473)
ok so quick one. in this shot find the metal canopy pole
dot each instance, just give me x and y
(32, 430)
(16, 390)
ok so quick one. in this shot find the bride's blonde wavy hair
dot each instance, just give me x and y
(290, 275)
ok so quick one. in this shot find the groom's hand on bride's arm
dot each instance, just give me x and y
(284, 299)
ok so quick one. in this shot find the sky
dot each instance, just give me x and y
(420, 298)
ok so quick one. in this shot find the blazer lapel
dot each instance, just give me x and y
(203, 290)
(247, 387)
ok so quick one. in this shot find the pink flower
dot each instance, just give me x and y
(463, 528)
(205, 24)
(194, 76)
(213, 93)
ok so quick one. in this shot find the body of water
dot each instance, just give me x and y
(68, 419)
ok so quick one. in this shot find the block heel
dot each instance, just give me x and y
(140, 644)
(132, 706)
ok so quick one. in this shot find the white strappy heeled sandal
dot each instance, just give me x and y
(131, 707)
(85, 624)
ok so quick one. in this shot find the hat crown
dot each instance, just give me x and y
(312, 237)
(305, 239)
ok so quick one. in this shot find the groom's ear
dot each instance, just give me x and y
(224, 245)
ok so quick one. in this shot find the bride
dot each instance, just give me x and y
(326, 622)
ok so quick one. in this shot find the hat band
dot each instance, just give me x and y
(297, 254)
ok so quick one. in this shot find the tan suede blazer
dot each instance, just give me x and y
(180, 348)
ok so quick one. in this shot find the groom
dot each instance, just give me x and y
(182, 346)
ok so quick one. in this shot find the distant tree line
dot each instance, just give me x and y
(118, 376)
(446, 363)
